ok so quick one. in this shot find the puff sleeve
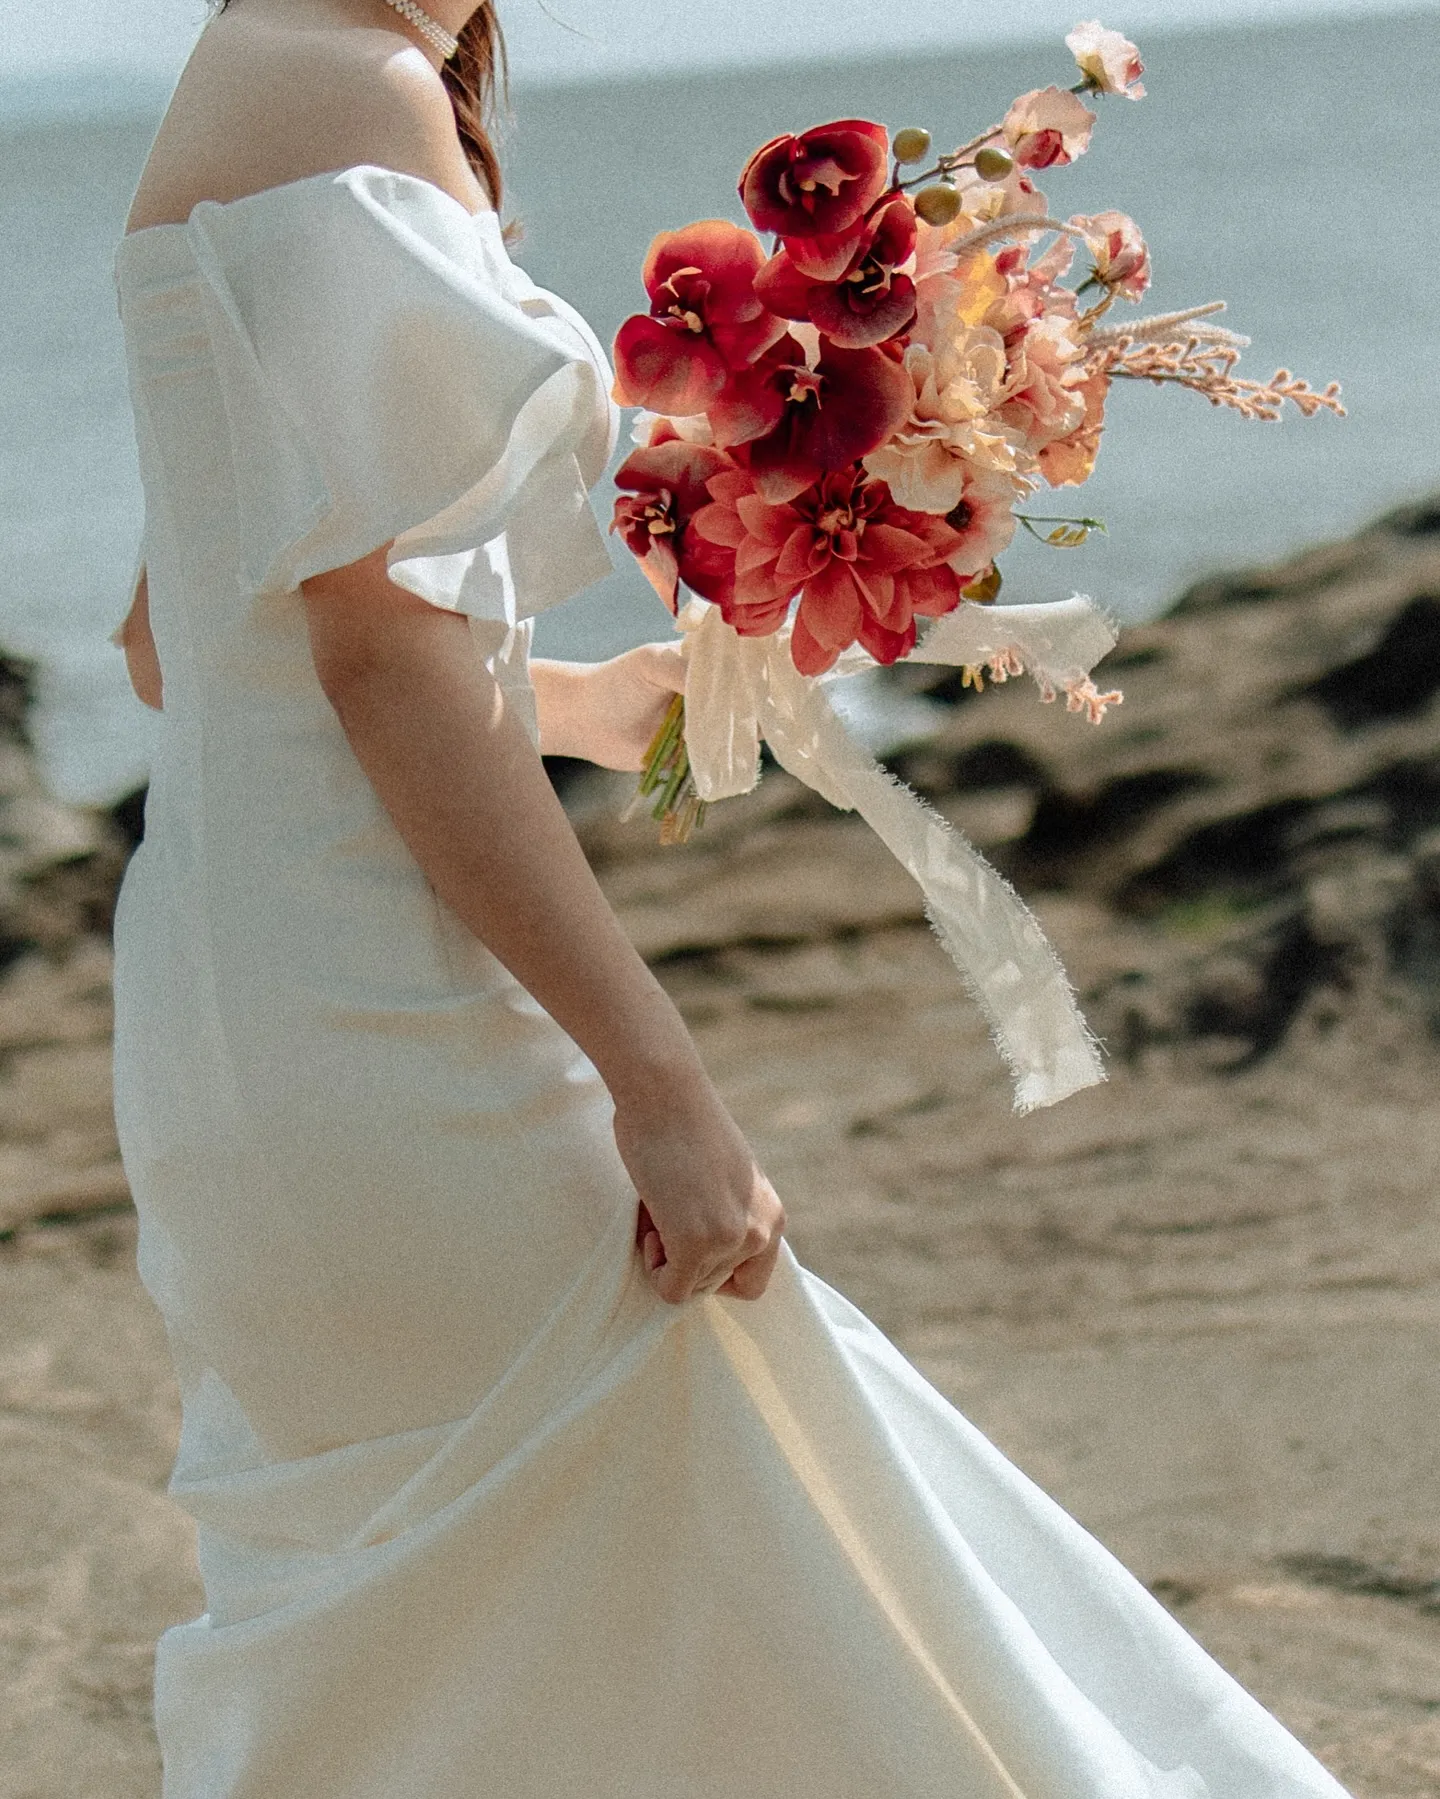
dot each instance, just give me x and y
(388, 373)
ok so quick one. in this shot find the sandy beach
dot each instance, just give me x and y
(1200, 1304)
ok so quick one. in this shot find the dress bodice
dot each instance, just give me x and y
(350, 358)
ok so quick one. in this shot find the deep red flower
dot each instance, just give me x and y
(864, 567)
(705, 319)
(814, 190)
(801, 422)
(662, 488)
(870, 301)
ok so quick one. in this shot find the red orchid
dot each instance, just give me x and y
(870, 301)
(704, 320)
(801, 422)
(663, 486)
(814, 191)
(864, 567)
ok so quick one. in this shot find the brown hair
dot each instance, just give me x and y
(473, 77)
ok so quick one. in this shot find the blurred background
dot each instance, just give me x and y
(1201, 1303)
(1281, 161)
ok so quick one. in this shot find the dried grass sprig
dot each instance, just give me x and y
(1164, 327)
(1010, 226)
(1208, 369)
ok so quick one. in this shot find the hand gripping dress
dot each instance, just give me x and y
(478, 1516)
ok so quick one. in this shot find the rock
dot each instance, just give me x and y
(1269, 796)
(60, 869)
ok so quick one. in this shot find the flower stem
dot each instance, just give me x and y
(956, 159)
(678, 807)
(1069, 534)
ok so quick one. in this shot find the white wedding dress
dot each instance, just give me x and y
(479, 1517)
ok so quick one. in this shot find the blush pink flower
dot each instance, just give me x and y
(870, 301)
(1122, 260)
(814, 191)
(662, 488)
(1042, 403)
(1032, 285)
(1109, 62)
(801, 420)
(1068, 461)
(983, 518)
(864, 568)
(704, 320)
(951, 438)
(951, 293)
(1048, 126)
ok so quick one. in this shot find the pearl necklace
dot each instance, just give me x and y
(430, 29)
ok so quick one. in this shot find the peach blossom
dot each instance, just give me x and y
(984, 517)
(1050, 125)
(952, 433)
(1122, 261)
(1108, 61)
(1043, 404)
(1069, 460)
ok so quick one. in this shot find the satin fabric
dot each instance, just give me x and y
(477, 1514)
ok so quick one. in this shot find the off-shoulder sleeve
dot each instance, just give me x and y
(388, 373)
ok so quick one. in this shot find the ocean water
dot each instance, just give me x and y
(1287, 169)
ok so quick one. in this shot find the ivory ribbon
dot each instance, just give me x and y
(739, 690)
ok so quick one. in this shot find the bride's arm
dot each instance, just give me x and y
(457, 773)
(134, 637)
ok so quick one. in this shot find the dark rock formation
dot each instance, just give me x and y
(60, 868)
(1269, 796)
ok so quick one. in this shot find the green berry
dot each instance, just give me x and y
(939, 204)
(912, 144)
(992, 164)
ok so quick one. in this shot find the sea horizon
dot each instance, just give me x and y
(93, 89)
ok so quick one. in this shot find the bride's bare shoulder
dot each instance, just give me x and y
(268, 99)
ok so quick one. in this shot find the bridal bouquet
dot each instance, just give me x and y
(841, 434)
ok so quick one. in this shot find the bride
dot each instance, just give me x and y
(524, 1458)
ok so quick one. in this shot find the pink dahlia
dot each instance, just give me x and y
(864, 568)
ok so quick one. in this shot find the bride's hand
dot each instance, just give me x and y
(607, 712)
(709, 1221)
